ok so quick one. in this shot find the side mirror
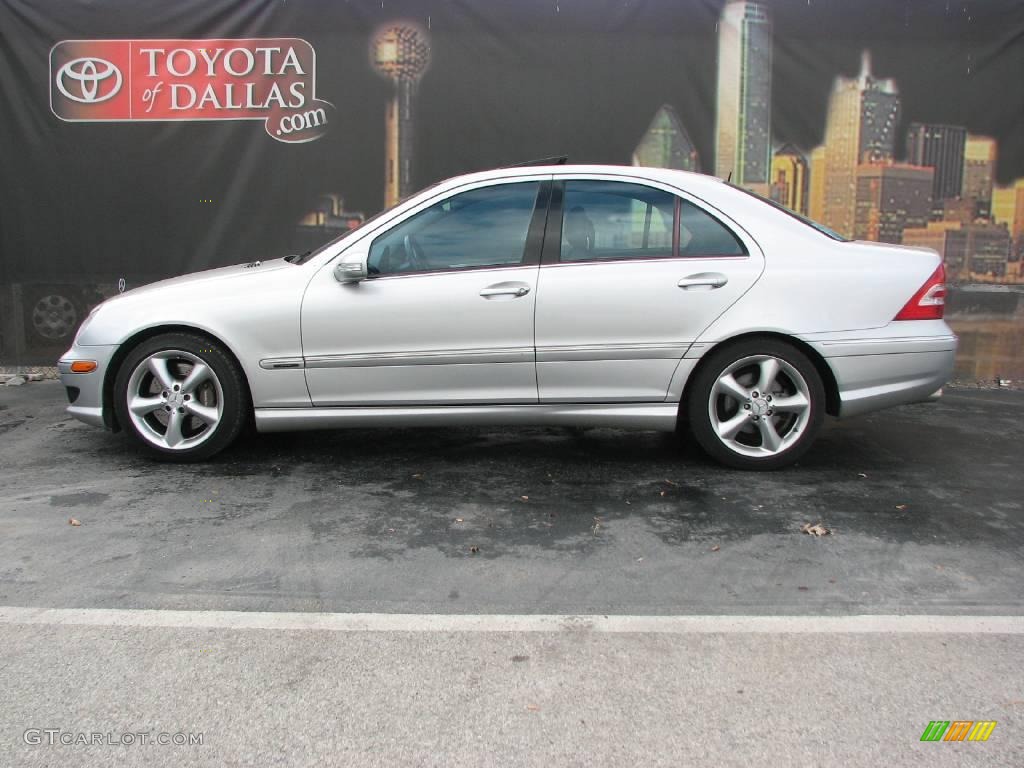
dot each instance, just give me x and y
(350, 271)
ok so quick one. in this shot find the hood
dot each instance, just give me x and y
(234, 272)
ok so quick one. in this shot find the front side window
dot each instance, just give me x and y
(485, 227)
(615, 220)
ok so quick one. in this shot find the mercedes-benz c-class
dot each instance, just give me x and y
(555, 295)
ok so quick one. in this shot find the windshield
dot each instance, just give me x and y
(799, 217)
(310, 254)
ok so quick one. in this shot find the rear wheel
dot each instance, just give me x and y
(181, 396)
(756, 404)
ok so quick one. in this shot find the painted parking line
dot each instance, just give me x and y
(399, 622)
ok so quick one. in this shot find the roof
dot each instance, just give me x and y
(688, 179)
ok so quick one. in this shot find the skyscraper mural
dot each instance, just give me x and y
(919, 143)
(666, 144)
(940, 147)
(790, 178)
(860, 127)
(743, 134)
(979, 172)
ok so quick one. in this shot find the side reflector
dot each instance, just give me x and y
(929, 303)
(83, 366)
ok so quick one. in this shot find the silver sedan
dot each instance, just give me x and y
(559, 295)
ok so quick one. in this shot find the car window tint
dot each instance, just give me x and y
(700, 234)
(615, 220)
(480, 228)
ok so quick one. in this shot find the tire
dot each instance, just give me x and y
(739, 424)
(190, 398)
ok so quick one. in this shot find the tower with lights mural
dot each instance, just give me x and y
(401, 53)
(743, 129)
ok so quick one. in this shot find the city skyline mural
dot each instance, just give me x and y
(889, 120)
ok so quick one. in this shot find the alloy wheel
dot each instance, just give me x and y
(759, 406)
(175, 400)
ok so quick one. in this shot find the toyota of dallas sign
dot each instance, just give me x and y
(269, 79)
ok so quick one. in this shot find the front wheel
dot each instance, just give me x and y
(757, 404)
(181, 396)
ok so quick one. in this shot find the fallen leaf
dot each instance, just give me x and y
(458, 519)
(524, 498)
(815, 529)
(391, 530)
(901, 507)
(533, 707)
(662, 493)
(418, 476)
(474, 549)
(669, 482)
(861, 474)
(72, 521)
(802, 589)
(715, 548)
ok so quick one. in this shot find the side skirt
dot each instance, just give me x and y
(656, 416)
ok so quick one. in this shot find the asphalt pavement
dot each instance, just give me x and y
(924, 504)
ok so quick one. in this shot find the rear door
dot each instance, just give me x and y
(632, 272)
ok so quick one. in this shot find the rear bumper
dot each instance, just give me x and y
(88, 403)
(872, 382)
(904, 362)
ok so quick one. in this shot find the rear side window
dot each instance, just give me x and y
(701, 234)
(615, 220)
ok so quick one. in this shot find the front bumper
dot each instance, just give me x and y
(87, 405)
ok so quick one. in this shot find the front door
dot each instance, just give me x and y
(446, 316)
(632, 274)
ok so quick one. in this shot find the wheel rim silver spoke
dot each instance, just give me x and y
(792, 404)
(207, 413)
(200, 373)
(175, 400)
(140, 406)
(769, 372)
(158, 367)
(770, 439)
(173, 436)
(729, 384)
(759, 406)
(727, 430)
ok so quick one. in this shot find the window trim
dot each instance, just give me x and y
(552, 249)
(531, 247)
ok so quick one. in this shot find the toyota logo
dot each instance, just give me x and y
(91, 80)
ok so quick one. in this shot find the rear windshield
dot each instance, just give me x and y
(799, 217)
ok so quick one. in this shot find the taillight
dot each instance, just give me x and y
(929, 302)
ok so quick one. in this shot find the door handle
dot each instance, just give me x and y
(505, 290)
(710, 280)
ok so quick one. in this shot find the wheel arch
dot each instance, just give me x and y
(828, 379)
(126, 346)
